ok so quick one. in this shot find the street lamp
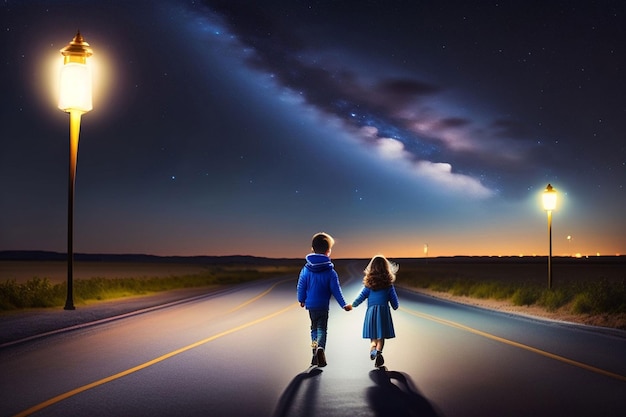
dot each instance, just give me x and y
(549, 204)
(75, 99)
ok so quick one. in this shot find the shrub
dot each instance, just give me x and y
(503, 292)
(491, 289)
(600, 297)
(481, 290)
(36, 292)
(582, 304)
(552, 300)
(9, 295)
(525, 296)
(461, 287)
(441, 285)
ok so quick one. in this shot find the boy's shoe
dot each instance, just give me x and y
(379, 360)
(321, 357)
(373, 354)
(314, 361)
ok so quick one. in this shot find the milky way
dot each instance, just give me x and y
(234, 128)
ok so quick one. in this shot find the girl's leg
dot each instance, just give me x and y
(373, 348)
(380, 344)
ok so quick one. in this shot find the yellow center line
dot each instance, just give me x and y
(264, 293)
(516, 344)
(119, 375)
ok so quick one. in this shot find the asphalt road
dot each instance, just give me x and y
(245, 351)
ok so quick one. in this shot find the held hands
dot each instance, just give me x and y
(347, 307)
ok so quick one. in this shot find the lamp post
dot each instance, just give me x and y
(75, 99)
(549, 204)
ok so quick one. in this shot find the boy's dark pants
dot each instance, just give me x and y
(319, 326)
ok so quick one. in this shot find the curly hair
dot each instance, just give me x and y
(380, 273)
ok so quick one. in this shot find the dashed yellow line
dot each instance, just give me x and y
(145, 365)
(516, 344)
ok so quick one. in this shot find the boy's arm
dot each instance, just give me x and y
(335, 288)
(301, 289)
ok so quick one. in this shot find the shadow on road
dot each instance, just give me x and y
(395, 395)
(287, 405)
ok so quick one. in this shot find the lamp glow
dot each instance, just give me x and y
(549, 204)
(75, 99)
(75, 82)
(549, 198)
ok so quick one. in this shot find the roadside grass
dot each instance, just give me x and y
(586, 296)
(582, 289)
(42, 293)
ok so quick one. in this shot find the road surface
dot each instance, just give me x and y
(245, 351)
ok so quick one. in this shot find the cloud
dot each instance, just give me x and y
(438, 173)
(441, 173)
(391, 149)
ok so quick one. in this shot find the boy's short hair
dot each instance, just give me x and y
(322, 242)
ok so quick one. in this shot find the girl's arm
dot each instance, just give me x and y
(365, 292)
(393, 298)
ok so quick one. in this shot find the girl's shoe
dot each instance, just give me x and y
(379, 359)
(373, 354)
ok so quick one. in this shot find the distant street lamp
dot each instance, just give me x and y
(75, 99)
(549, 204)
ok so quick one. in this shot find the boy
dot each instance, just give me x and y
(318, 280)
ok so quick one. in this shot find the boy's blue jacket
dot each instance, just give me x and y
(317, 282)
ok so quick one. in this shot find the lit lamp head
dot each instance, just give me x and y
(549, 198)
(75, 86)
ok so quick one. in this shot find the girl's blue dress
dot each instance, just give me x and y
(378, 323)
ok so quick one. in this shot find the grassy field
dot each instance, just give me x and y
(41, 284)
(588, 286)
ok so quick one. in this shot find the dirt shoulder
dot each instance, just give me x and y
(616, 321)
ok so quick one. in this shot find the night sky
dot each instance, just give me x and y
(236, 127)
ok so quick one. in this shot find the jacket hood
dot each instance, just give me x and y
(316, 262)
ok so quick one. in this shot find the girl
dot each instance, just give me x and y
(380, 293)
